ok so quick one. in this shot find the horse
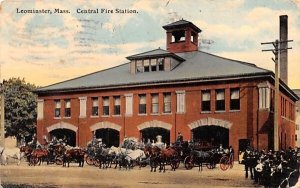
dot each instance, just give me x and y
(39, 155)
(73, 154)
(199, 157)
(134, 156)
(6, 153)
(118, 155)
(102, 157)
(170, 156)
(26, 151)
(154, 155)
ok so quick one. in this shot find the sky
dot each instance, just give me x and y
(47, 48)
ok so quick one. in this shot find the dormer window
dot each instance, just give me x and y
(146, 65)
(154, 61)
(139, 66)
(153, 65)
(178, 36)
(161, 64)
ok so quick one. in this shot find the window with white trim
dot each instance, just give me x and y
(117, 105)
(153, 63)
(205, 103)
(235, 99)
(146, 65)
(139, 66)
(95, 106)
(167, 103)
(220, 100)
(67, 108)
(105, 106)
(161, 64)
(57, 108)
(154, 101)
(142, 104)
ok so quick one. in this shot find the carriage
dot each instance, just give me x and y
(203, 153)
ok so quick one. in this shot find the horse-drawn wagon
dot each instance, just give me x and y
(203, 153)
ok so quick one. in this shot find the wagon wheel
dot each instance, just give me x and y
(188, 163)
(97, 162)
(89, 160)
(58, 161)
(224, 163)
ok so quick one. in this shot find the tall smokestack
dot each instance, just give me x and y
(283, 35)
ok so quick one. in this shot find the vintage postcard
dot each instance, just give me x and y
(149, 93)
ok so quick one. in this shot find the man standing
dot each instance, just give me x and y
(179, 137)
(247, 161)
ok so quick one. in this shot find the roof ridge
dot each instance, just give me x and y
(96, 72)
(148, 52)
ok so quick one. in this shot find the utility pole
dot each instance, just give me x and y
(2, 114)
(277, 48)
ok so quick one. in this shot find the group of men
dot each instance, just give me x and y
(270, 168)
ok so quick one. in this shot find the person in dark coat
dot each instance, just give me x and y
(179, 137)
(248, 159)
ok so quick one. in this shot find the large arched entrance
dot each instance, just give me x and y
(67, 135)
(211, 130)
(110, 137)
(152, 132)
(65, 131)
(215, 135)
(151, 129)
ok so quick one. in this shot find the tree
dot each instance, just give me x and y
(20, 108)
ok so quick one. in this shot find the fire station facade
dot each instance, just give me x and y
(205, 97)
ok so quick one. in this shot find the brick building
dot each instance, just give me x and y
(163, 92)
(297, 133)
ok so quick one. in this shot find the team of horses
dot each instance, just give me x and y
(126, 156)
(59, 154)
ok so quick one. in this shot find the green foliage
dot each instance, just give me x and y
(20, 107)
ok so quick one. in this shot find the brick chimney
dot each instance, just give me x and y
(182, 36)
(283, 35)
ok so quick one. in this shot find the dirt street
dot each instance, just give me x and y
(89, 176)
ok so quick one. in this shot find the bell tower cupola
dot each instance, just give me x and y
(182, 36)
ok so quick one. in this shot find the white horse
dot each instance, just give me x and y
(14, 153)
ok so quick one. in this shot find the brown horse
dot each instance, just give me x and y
(26, 151)
(154, 154)
(169, 156)
(38, 155)
(74, 154)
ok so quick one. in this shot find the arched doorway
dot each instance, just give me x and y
(151, 133)
(65, 134)
(215, 135)
(110, 137)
